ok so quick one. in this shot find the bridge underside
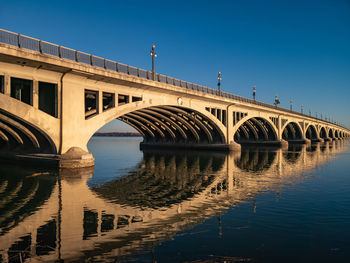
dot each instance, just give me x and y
(174, 126)
(18, 136)
(256, 131)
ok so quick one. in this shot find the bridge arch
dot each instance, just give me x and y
(336, 134)
(323, 133)
(311, 132)
(331, 133)
(19, 135)
(255, 129)
(168, 124)
(292, 131)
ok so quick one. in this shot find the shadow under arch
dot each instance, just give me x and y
(311, 132)
(336, 134)
(17, 135)
(292, 131)
(163, 179)
(330, 133)
(255, 129)
(171, 124)
(323, 133)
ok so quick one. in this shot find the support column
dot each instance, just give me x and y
(233, 146)
(35, 94)
(7, 85)
(284, 144)
(100, 102)
(306, 140)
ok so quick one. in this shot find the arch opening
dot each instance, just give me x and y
(173, 124)
(255, 130)
(311, 133)
(323, 133)
(331, 134)
(292, 132)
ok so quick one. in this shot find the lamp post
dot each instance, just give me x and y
(254, 91)
(154, 55)
(277, 101)
(291, 105)
(309, 112)
(301, 108)
(219, 82)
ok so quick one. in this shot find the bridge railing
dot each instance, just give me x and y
(44, 47)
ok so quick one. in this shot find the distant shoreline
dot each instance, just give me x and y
(117, 134)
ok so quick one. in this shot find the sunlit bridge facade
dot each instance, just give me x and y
(53, 99)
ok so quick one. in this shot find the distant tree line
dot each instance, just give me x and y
(117, 134)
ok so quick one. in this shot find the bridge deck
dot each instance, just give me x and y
(51, 49)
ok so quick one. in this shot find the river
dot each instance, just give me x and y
(258, 205)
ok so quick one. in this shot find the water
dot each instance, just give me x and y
(156, 206)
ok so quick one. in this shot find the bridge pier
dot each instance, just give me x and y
(191, 146)
(75, 157)
(300, 141)
(317, 140)
(277, 143)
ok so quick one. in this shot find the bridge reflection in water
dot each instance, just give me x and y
(49, 216)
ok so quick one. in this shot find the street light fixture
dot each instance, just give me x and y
(291, 105)
(254, 91)
(277, 101)
(301, 108)
(154, 55)
(219, 82)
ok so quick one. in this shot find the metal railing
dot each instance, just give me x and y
(44, 47)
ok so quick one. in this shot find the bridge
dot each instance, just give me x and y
(166, 193)
(53, 99)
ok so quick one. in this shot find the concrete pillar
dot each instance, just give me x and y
(284, 143)
(7, 85)
(229, 125)
(233, 146)
(100, 102)
(35, 94)
(279, 127)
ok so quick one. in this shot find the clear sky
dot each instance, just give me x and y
(299, 50)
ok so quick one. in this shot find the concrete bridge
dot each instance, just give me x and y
(53, 99)
(62, 218)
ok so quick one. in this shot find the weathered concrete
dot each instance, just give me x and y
(76, 158)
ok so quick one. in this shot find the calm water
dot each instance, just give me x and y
(157, 206)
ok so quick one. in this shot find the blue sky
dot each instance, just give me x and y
(299, 50)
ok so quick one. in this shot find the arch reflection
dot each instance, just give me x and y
(64, 219)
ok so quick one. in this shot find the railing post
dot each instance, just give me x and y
(104, 63)
(127, 69)
(116, 67)
(19, 40)
(59, 52)
(91, 60)
(76, 55)
(138, 72)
